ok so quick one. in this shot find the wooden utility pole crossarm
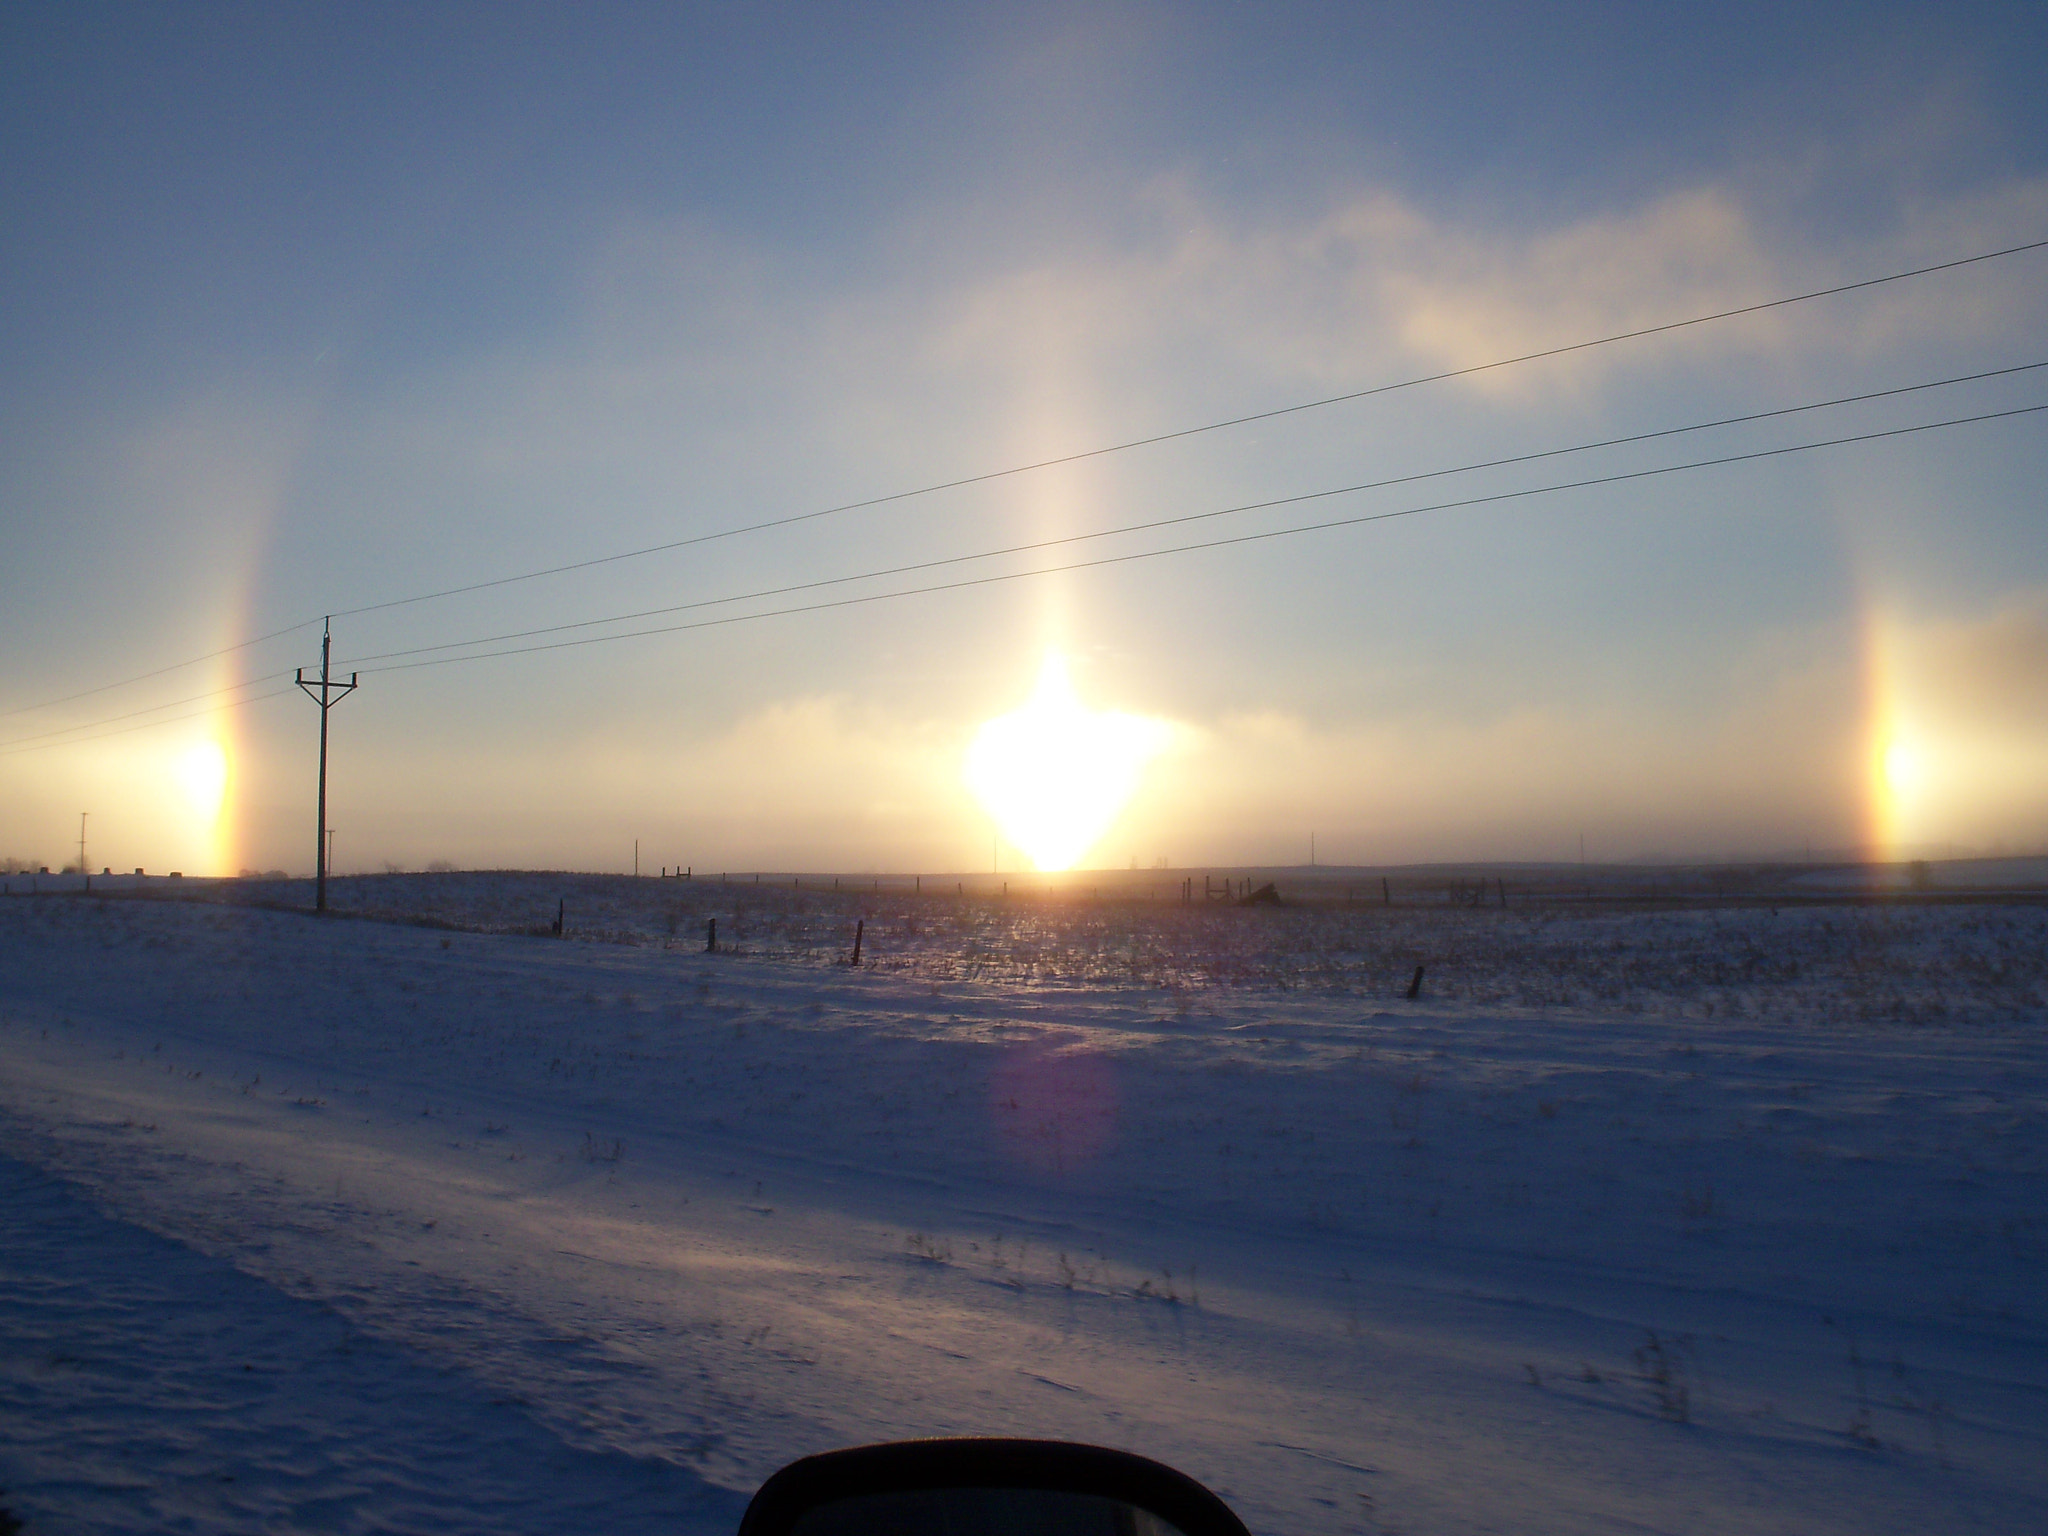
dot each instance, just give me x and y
(326, 691)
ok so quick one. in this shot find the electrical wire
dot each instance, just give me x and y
(86, 725)
(72, 731)
(1020, 469)
(1222, 543)
(1191, 517)
(1185, 432)
(143, 677)
(147, 725)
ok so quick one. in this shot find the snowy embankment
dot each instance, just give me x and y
(535, 1228)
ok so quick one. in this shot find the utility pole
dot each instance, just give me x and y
(330, 693)
(330, 847)
(82, 869)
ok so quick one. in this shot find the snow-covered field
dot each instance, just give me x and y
(1674, 1221)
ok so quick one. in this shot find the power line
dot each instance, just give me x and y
(176, 666)
(1164, 437)
(1184, 432)
(1222, 543)
(148, 725)
(28, 742)
(1195, 517)
(13, 749)
(86, 725)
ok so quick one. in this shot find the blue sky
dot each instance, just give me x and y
(312, 307)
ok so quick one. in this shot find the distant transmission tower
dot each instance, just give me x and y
(326, 692)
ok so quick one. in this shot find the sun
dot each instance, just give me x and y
(202, 773)
(1054, 774)
(1904, 767)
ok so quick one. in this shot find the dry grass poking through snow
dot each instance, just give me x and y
(1837, 965)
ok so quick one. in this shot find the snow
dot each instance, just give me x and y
(1678, 1220)
(150, 1387)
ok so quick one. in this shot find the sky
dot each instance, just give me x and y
(312, 310)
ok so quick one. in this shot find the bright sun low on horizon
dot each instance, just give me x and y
(201, 772)
(1055, 774)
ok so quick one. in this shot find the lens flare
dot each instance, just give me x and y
(1054, 1110)
(1054, 774)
